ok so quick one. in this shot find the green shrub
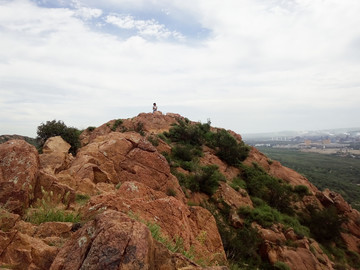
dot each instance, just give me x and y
(117, 123)
(118, 185)
(183, 152)
(171, 192)
(301, 190)
(187, 133)
(325, 225)
(281, 266)
(197, 134)
(257, 202)
(82, 198)
(139, 128)
(228, 149)
(47, 210)
(267, 216)
(189, 165)
(42, 215)
(205, 179)
(241, 245)
(270, 189)
(58, 128)
(238, 183)
(91, 129)
(353, 259)
(154, 140)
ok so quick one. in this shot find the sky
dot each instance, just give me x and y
(247, 65)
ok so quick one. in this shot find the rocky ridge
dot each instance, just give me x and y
(131, 194)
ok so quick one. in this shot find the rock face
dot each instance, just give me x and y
(55, 157)
(118, 157)
(26, 246)
(145, 122)
(194, 225)
(19, 165)
(304, 253)
(115, 241)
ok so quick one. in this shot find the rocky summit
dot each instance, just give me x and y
(162, 192)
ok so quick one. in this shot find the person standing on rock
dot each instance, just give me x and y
(154, 107)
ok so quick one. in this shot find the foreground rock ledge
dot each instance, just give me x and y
(114, 241)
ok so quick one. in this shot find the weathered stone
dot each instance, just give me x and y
(233, 198)
(296, 258)
(115, 241)
(21, 251)
(195, 225)
(19, 165)
(48, 187)
(7, 220)
(58, 229)
(55, 157)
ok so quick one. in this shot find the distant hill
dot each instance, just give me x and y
(305, 133)
(5, 138)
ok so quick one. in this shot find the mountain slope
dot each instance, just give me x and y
(205, 197)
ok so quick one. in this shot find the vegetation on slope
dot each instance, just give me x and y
(273, 199)
(340, 174)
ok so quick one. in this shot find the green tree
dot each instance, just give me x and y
(58, 128)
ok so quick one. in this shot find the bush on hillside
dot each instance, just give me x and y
(266, 216)
(241, 245)
(226, 146)
(185, 152)
(272, 190)
(325, 225)
(228, 149)
(58, 128)
(187, 133)
(205, 179)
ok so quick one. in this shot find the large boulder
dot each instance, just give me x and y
(116, 158)
(48, 187)
(21, 251)
(55, 156)
(235, 199)
(115, 241)
(195, 226)
(304, 254)
(19, 165)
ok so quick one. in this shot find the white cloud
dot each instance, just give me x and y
(147, 28)
(267, 65)
(85, 12)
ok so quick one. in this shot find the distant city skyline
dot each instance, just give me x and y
(252, 66)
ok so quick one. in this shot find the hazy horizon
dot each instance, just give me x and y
(252, 66)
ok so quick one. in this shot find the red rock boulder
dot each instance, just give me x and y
(114, 241)
(19, 165)
(195, 226)
(116, 158)
(55, 156)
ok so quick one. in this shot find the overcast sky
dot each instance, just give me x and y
(248, 65)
